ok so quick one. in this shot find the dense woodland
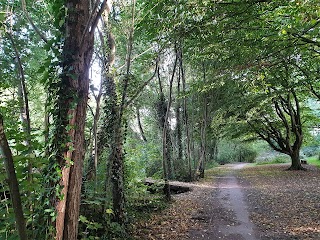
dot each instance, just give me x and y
(95, 96)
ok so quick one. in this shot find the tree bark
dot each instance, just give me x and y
(24, 102)
(185, 116)
(178, 164)
(295, 161)
(117, 175)
(117, 169)
(70, 116)
(166, 161)
(203, 132)
(140, 125)
(13, 183)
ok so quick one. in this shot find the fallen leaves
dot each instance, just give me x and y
(171, 223)
(284, 204)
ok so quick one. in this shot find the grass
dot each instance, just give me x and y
(314, 160)
(276, 160)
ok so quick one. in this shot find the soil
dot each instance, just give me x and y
(241, 202)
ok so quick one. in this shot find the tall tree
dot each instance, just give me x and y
(70, 109)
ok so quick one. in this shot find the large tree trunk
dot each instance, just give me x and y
(13, 183)
(117, 175)
(71, 114)
(295, 160)
(117, 154)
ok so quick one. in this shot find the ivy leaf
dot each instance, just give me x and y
(61, 22)
(83, 219)
(2, 16)
(109, 211)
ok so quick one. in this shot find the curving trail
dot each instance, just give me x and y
(225, 213)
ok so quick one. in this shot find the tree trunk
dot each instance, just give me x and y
(165, 156)
(140, 125)
(203, 131)
(95, 132)
(24, 103)
(186, 117)
(295, 161)
(108, 55)
(70, 116)
(178, 164)
(13, 183)
(117, 176)
(166, 145)
(117, 154)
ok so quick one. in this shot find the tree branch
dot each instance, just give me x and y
(94, 18)
(140, 89)
(35, 28)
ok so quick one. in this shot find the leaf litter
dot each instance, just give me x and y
(282, 204)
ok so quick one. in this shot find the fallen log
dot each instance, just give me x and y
(155, 186)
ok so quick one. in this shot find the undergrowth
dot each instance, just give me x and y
(314, 160)
(276, 160)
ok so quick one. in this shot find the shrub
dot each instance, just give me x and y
(310, 151)
(235, 152)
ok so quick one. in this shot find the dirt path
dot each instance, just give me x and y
(225, 212)
(283, 205)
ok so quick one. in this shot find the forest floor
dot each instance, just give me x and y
(242, 202)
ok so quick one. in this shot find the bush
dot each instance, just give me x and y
(235, 152)
(247, 154)
(275, 160)
(310, 151)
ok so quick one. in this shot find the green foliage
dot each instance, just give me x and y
(143, 160)
(314, 160)
(310, 151)
(274, 160)
(233, 151)
(256, 53)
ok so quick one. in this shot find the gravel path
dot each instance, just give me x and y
(225, 213)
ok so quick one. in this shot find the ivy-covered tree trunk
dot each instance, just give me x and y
(117, 152)
(117, 174)
(70, 116)
(164, 125)
(112, 132)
